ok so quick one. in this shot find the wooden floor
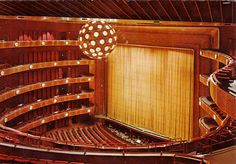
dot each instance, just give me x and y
(225, 156)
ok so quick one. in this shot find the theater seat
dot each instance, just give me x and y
(207, 124)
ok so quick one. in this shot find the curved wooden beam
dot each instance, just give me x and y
(42, 65)
(204, 79)
(210, 107)
(218, 56)
(93, 156)
(224, 100)
(27, 88)
(38, 43)
(39, 104)
(222, 97)
(53, 117)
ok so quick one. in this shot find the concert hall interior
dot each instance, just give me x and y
(118, 81)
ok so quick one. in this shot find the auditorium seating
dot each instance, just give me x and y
(227, 78)
(53, 84)
(64, 135)
(96, 134)
(207, 124)
(221, 82)
(211, 108)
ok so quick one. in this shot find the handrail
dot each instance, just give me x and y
(159, 146)
(204, 79)
(27, 88)
(211, 108)
(20, 124)
(212, 133)
(224, 100)
(218, 56)
(174, 156)
(55, 116)
(42, 65)
(207, 124)
(38, 43)
(169, 143)
(79, 145)
(219, 93)
(26, 108)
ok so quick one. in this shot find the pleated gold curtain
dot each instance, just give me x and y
(152, 88)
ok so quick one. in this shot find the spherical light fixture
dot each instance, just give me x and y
(97, 39)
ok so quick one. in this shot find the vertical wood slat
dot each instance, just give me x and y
(35, 74)
(186, 10)
(176, 11)
(166, 13)
(209, 9)
(221, 12)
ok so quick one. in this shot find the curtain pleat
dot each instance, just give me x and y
(152, 88)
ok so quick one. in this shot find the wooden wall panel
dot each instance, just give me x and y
(100, 87)
(152, 88)
(228, 40)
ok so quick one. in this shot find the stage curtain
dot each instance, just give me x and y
(152, 88)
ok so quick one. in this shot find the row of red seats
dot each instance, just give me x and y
(227, 78)
(92, 135)
(35, 36)
(6, 88)
(21, 124)
(213, 106)
(225, 134)
(227, 74)
(35, 100)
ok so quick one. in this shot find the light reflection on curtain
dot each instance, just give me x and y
(152, 88)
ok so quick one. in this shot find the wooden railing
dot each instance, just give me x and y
(60, 156)
(43, 65)
(204, 79)
(224, 100)
(16, 136)
(210, 107)
(27, 41)
(37, 43)
(13, 113)
(56, 116)
(221, 95)
(217, 56)
(217, 93)
(221, 105)
(27, 88)
(218, 136)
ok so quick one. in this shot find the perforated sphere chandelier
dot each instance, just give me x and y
(97, 39)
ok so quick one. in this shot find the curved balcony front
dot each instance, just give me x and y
(43, 65)
(55, 116)
(13, 113)
(37, 43)
(222, 82)
(9, 93)
(224, 100)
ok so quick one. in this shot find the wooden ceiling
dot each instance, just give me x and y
(223, 11)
